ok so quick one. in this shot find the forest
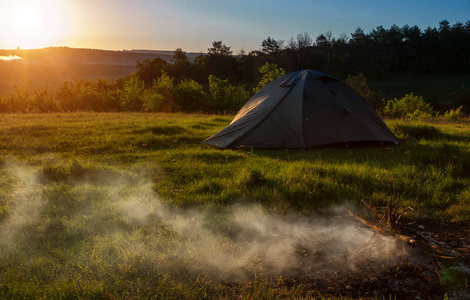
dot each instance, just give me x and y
(381, 53)
(221, 81)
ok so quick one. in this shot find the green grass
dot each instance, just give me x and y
(122, 205)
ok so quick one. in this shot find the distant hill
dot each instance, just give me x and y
(54, 65)
(66, 55)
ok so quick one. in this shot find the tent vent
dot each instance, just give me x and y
(326, 79)
(290, 81)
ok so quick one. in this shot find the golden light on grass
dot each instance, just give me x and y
(33, 24)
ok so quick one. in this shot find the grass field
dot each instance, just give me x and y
(132, 205)
(439, 90)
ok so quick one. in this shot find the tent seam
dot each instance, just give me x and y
(267, 115)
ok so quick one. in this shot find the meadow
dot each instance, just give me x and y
(133, 205)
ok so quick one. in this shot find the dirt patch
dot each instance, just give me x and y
(421, 271)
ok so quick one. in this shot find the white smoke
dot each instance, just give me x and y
(124, 222)
(26, 203)
(249, 238)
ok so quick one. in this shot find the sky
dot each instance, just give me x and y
(194, 24)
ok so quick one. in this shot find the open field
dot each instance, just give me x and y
(132, 205)
(53, 76)
(442, 91)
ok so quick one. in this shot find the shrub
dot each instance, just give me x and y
(462, 98)
(270, 73)
(133, 93)
(4, 104)
(413, 107)
(225, 97)
(109, 95)
(42, 101)
(19, 100)
(23, 100)
(454, 114)
(238, 97)
(160, 96)
(86, 95)
(189, 96)
(360, 85)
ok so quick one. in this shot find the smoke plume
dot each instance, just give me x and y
(123, 222)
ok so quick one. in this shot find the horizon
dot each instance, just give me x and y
(166, 26)
(82, 48)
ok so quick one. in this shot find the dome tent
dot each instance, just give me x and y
(304, 109)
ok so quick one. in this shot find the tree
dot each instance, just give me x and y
(179, 57)
(160, 96)
(343, 38)
(270, 46)
(360, 85)
(321, 41)
(270, 73)
(303, 42)
(148, 70)
(358, 36)
(291, 44)
(444, 26)
(219, 49)
(181, 65)
(219, 61)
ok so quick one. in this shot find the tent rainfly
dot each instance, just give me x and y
(304, 109)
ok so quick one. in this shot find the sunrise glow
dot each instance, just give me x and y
(33, 24)
(9, 57)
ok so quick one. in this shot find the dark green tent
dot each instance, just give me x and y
(304, 109)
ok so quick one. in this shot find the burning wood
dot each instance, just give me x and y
(449, 248)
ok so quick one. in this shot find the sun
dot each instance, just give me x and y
(33, 24)
(26, 19)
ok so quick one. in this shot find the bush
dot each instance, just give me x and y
(4, 104)
(109, 95)
(23, 100)
(42, 101)
(270, 73)
(413, 107)
(189, 96)
(225, 97)
(132, 97)
(462, 98)
(160, 96)
(454, 114)
(360, 85)
(19, 101)
(88, 96)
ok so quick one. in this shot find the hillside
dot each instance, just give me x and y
(66, 55)
(52, 66)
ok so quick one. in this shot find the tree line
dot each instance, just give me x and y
(380, 53)
(221, 81)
